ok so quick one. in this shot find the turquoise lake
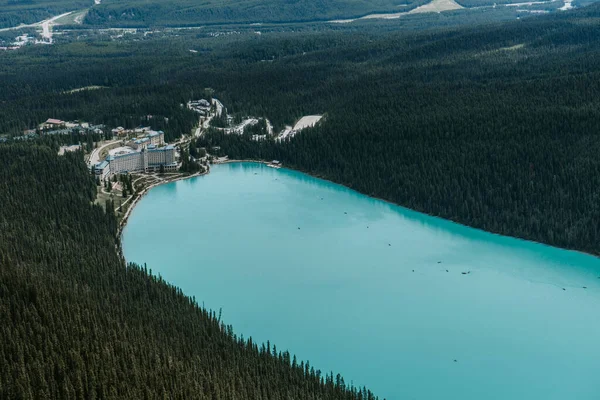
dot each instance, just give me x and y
(374, 291)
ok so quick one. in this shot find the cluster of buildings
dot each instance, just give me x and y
(22, 40)
(122, 132)
(19, 42)
(152, 138)
(146, 152)
(58, 127)
(143, 135)
(148, 157)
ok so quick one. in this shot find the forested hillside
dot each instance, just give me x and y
(190, 12)
(76, 323)
(493, 126)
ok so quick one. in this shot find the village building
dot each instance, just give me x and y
(118, 131)
(52, 123)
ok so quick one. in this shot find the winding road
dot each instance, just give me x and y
(46, 26)
(95, 155)
(219, 109)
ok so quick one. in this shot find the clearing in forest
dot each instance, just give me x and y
(307, 121)
(437, 6)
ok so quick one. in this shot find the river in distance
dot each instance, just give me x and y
(411, 306)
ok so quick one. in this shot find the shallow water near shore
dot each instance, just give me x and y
(411, 306)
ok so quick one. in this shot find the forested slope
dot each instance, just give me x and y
(76, 323)
(189, 12)
(493, 126)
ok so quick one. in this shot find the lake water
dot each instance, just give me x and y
(374, 291)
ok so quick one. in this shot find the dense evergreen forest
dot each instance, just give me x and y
(190, 12)
(177, 13)
(77, 323)
(493, 126)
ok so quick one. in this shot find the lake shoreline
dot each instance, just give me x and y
(596, 255)
(146, 190)
(140, 195)
(263, 247)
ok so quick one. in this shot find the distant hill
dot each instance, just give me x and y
(190, 12)
(16, 12)
(148, 13)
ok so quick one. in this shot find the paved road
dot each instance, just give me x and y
(219, 109)
(95, 156)
(46, 26)
(219, 106)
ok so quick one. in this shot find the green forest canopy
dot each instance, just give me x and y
(494, 127)
(77, 323)
(190, 12)
(156, 13)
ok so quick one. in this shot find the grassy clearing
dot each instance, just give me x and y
(75, 18)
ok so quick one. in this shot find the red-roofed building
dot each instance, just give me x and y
(53, 123)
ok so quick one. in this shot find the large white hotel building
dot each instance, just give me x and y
(146, 160)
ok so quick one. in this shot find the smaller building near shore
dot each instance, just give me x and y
(58, 127)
